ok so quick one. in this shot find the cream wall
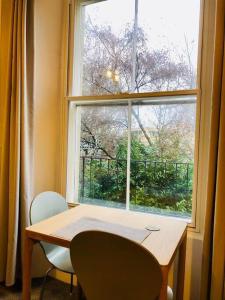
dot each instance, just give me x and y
(48, 50)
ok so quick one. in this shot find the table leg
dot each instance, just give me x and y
(27, 259)
(163, 292)
(181, 269)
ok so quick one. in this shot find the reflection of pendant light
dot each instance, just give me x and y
(113, 75)
(109, 74)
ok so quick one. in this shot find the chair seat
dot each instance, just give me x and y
(60, 258)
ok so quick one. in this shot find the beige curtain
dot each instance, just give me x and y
(214, 231)
(16, 81)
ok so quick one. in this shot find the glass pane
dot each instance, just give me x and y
(162, 157)
(169, 31)
(103, 155)
(151, 48)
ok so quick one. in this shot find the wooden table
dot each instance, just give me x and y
(163, 244)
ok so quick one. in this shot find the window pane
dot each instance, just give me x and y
(171, 30)
(151, 48)
(162, 157)
(103, 155)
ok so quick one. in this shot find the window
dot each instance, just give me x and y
(133, 113)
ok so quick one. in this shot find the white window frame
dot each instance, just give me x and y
(205, 65)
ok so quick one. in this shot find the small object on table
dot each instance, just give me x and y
(152, 228)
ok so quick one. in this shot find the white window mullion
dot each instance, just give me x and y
(128, 156)
(70, 156)
(73, 161)
(77, 153)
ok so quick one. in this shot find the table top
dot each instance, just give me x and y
(162, 244)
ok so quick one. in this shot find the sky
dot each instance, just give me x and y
(166, 22)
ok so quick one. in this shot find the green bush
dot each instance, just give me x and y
(160, 184)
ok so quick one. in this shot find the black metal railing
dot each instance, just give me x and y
(105, 178)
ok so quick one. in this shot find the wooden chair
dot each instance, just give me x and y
(111, 267)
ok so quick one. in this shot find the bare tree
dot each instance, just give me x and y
(174, 127)
(102, 129)
(155, 71)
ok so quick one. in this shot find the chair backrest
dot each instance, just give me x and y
(111, 267)
(44, 206)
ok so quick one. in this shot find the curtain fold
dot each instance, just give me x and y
(16, 97)
(213, 264)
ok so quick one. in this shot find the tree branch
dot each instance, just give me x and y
(142, 127)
